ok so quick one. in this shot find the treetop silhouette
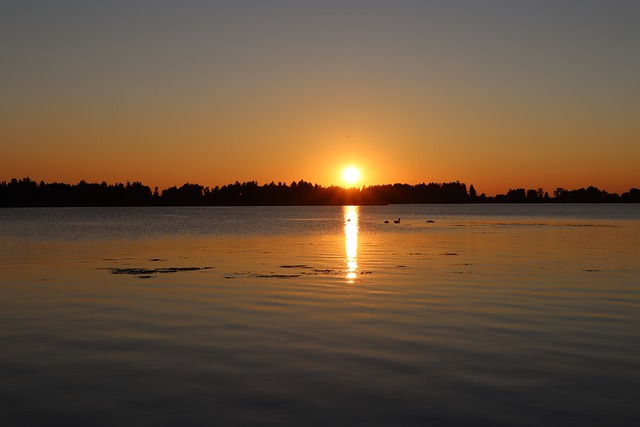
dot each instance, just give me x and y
(25, 192)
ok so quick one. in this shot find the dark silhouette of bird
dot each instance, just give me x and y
(396, 221)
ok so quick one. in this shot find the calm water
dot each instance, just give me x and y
(489, 315)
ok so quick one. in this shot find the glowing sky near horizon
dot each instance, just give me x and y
(498, 94)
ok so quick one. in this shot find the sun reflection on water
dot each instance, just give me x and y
(351, 216)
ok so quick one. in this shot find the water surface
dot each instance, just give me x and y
(513, 315)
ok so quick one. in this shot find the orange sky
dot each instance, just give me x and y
(500, 96)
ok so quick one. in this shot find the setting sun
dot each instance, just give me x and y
(351, 174)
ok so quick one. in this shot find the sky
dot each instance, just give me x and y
(498, 94)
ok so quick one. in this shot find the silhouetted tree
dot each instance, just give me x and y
(473, 194)
(25, 192)
(631, 196)
(519, 195)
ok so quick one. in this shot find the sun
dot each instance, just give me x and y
(351, 174)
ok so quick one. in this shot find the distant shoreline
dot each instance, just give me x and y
(28, 193)
(307, 205)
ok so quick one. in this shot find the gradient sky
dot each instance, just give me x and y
(499, 94)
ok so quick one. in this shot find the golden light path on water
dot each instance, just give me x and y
(351, 214)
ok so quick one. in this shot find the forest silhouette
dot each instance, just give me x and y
(26, 192)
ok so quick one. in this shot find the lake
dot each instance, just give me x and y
(458, 315)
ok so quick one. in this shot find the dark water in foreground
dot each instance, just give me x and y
(490, 315)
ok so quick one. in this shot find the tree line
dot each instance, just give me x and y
(26, 192)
